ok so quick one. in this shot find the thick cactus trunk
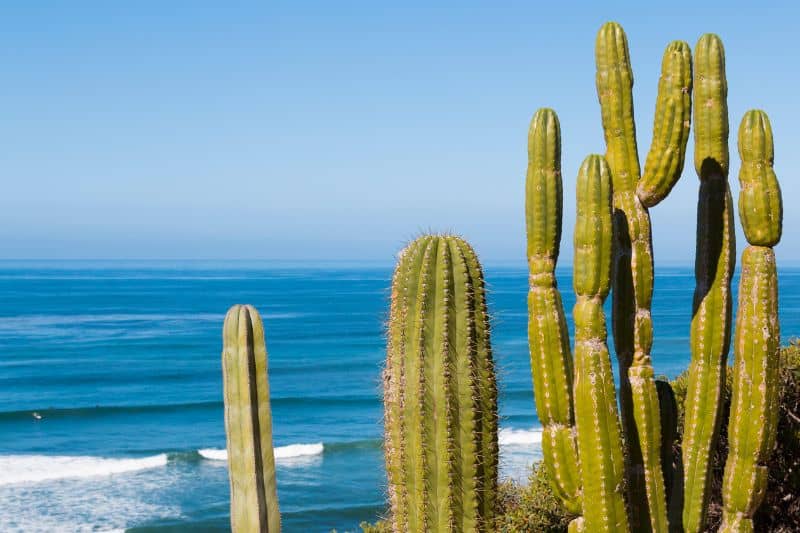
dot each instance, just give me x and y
(714, 264)
(599, 438)
(248, 423)
(440, 394)
(754, 402)
(548, 337)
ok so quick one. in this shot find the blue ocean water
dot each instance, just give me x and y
(111, 409)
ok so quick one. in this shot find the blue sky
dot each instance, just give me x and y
(338, 130)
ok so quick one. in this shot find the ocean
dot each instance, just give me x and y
(111, 413)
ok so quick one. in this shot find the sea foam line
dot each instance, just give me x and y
(32, 468)
(281, 452)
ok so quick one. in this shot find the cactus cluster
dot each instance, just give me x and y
(609, 459)
(630, 480)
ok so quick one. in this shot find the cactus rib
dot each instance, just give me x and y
(248, 423)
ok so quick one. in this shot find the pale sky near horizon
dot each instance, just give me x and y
(340, 130)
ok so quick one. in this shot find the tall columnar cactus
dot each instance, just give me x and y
(440, 394)
(714, 264)
(754, 403)
(248, 423)
(548, 337)
(599, 439)
(633, 254)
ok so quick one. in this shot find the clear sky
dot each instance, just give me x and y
(339, 130)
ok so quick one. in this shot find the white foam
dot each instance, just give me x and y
(213, 454)
(16, 469)
(281, 452)
(518, 437)
(298, 450)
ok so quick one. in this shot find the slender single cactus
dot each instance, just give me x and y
(548, 337)
(754, 402)
(599, 438)
(714, 263)
(440, 394)
(248, 423)
(633, 254)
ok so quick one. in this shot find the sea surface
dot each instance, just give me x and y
(111, 411)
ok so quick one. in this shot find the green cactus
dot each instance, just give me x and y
(599, 438)
(633, 255)
(248, 423)
(715, 261)
(664, 163)
(440, 394)
(754, 402)
(551, 362)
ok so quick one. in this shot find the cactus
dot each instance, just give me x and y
(248, 423)
(599, 438)
(664, 163)
(715, 259)
(551, 362)
(633, 254)
(754, 402)
(440, 394)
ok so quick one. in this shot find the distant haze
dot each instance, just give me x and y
(339, 130)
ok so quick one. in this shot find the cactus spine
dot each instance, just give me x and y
(551, 361)
(248, 423)
(440, 394)
(754, 403)
(599, 438)
(633, 254)
(714, 264)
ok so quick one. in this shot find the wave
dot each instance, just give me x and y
(290, 451)
(16, 469)
(519, 437)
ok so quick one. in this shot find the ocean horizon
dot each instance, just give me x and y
(112, 416)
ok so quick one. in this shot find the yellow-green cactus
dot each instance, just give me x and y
(760, 207)
(715, 260)
(599, 439)
(754, 402)
(548, 337)
(664, 163)
(633, 256)
(440, 394)
(248, 423)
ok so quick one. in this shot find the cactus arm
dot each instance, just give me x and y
(548, 337)
(648, 424)
(633, 280)
(435, 391)
(714, 264)
(664, 163)
(599, 438)
(754, 402)
(248, 423)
